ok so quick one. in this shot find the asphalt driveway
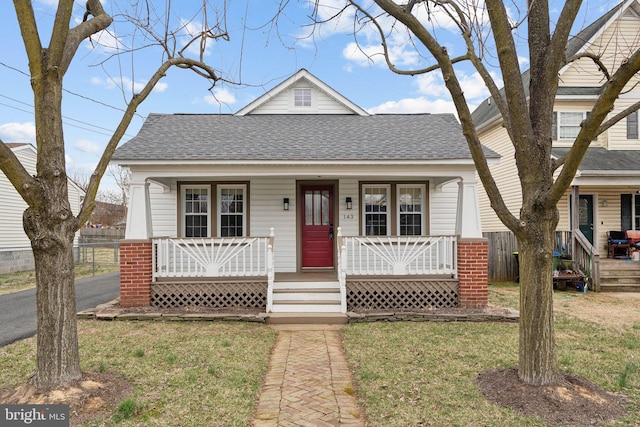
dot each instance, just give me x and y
(18, 310)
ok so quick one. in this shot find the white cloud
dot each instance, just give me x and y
(400, 54)
(193, 29)
(220, 97)
(127, 84)
(18, 132)
(431, 84)
(414, 105)
(87, 146)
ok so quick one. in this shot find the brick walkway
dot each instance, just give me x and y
(308, 382)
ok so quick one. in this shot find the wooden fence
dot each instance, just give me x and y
(502, 262)
(503, 265)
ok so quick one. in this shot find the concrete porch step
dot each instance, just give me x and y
(317, 318)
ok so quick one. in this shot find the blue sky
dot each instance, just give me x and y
(258, 56)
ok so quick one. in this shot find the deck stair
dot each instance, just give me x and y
(306, 302)
(619, 275)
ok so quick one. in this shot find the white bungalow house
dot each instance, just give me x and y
(605, 193)
(302, 202)
(15, 247)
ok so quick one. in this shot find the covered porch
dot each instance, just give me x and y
(268, 271)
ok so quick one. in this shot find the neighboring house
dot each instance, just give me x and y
(302, 201)
(605, 193)
(15, 247)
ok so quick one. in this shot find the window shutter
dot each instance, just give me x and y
(625, 211)
(632, 125)
(554, 127)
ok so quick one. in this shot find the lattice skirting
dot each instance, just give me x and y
(401, 294)
(215, 295)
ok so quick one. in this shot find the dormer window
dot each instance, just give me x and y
(302, 97)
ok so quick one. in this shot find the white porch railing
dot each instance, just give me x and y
(213, 257)
(398, 255)
(394, 256)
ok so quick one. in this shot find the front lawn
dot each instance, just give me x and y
(419, 374)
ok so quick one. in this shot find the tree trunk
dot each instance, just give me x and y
(50, 225)
(537, 361)
(58, 358)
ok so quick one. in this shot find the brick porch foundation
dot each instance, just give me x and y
(135, 273)
(473, 272)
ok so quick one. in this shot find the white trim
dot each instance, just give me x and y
(301, 74)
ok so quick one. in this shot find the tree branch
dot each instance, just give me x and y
(92, 189)
(100, 21)
(30, 35)
(593, 125)
(26, 185)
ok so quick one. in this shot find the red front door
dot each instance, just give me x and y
(317, 226)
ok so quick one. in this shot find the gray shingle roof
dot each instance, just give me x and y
(601, 159)
(215, 137)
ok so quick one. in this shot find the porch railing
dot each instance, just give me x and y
(398, 255)
(213, 257)
(587, 259)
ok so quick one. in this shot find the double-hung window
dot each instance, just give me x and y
(196, 208)
(376, 209)
(213, 210)
(410, 209)
(394, 209)
(231, 200)
(632, 125)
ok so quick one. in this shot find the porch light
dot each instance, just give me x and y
(285, 203)
(349, 203)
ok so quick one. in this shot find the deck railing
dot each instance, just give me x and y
(587, 259)
(397, 255)
(213, 257)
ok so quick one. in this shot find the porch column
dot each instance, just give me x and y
(138, 212)
(473, 249)
(575, 217)
(136, 251)
(468, 211)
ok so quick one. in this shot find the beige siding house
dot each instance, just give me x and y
(302, 202)
(15, 248)
(607, 184)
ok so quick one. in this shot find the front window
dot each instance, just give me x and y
(569, 124)
(232, 210)
(376, 212)
(196, 211)
(410, 209)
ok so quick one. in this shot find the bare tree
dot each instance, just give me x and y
(48, 221)
(122, 178)
(486, 33)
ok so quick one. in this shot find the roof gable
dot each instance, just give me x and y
(487, 112)
(302, 78)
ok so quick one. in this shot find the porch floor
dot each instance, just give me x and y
(307, 276)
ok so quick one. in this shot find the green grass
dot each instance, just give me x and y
(422, 373)
(201, 373)
(104, 263)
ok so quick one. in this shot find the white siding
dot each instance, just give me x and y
(506, 177)
(618, 132)
(11, 209)
(266, 210)
(442, 209)
(349, 220)
(322, 103)
(164, 211)
(622, 35)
